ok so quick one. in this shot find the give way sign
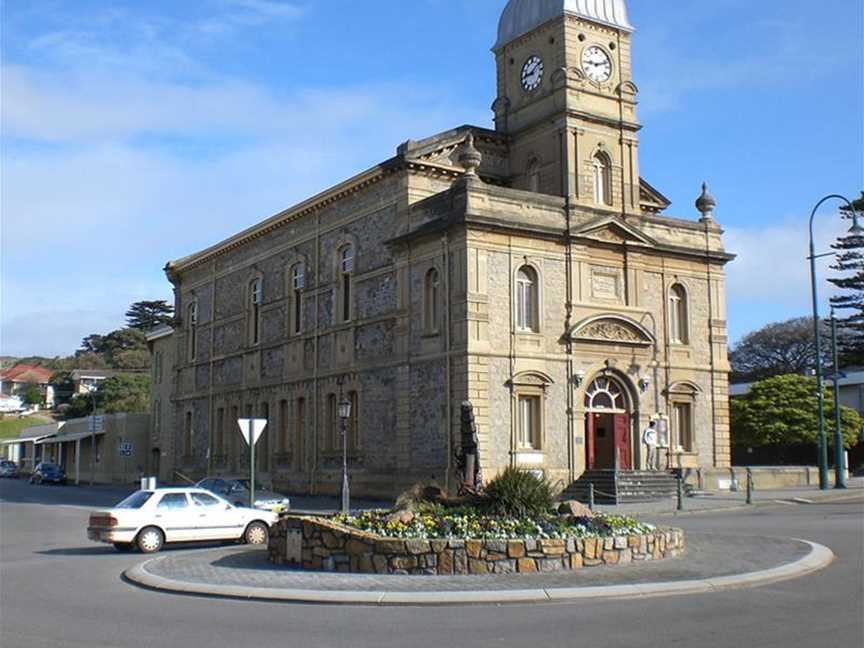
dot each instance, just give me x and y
(252, 429)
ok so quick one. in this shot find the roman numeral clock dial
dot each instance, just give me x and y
(596, 64)
(532, 73)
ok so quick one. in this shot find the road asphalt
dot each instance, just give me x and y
(56, 589)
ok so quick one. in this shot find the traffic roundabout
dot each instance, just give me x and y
(712, 563)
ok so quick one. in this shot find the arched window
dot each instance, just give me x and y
(256, 298)
(532, 174)
(432, 301)
(298, 285)
(346, 272)
(678, 315)
(527, 299)
(602, 173)
(605, 395)
(192, 332)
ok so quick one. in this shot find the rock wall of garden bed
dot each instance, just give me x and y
(316, 544)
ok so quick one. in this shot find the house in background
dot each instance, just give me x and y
(11, 404)
(15, 379)
(83, 380)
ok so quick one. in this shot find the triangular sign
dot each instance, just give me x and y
(252, 429)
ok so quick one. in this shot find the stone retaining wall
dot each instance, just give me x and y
(316, 544)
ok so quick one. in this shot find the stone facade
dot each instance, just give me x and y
(539, 280)
(312, 543)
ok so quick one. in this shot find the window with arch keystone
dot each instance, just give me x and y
(298, 285)
(527, 300)
(192, 332)
(602, 179)
(345, 279)
(256, 299)
(432, 302)
(679, 332)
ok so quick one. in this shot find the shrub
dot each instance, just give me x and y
(518, 494)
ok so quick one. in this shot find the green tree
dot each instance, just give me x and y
(783, 410)
(776, 349)
(124, 393)
(31, 394)
(850, 267)
(146, 315)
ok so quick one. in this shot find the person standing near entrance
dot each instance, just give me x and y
(649, 438)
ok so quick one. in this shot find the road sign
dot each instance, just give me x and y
(97, 424)
(252, 429)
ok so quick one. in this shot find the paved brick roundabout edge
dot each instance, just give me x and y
(818, 558)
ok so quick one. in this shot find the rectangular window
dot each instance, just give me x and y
(219, 440)
(682, 423)
(187, 435)
(284, 441)
(298, 312)
(529, 422)
(354, 422)
(333, 442)
(346, 298)
(234, 444)
(300, 432)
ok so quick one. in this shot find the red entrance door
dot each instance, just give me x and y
(622, 441)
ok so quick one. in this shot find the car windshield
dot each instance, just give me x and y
(135, 500)
(49, 467)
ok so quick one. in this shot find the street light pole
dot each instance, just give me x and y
(839, 472)
(344, 414)
(820, 396)
(92, 390)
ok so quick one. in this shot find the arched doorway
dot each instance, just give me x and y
(607, 425)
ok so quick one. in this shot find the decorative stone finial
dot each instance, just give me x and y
(470, 158)
(706, 204)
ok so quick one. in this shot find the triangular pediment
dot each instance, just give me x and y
(651, 200)
(611, 329)
(613, 230)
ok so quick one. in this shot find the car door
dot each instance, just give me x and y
(175, 515)
(216, 519)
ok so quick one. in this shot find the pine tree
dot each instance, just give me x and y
(850, 265)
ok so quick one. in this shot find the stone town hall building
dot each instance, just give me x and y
(528, 269)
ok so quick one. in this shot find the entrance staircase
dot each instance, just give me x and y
(622, 486)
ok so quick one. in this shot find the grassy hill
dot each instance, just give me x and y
(11, 427)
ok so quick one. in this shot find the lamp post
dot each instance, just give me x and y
(91, 389)
(820, 396)
(344, 415)
(839, 472)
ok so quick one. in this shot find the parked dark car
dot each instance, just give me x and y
(236, 491)
(48, 473)
(8, 468)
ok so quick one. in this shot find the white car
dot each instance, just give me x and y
(150, 518)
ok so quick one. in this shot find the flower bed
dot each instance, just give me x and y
(437, 523)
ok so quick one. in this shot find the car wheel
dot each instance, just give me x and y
(150, 540)
(257, 533)
(124, 547)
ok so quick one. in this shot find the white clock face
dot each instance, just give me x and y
(596, 64)
(532, 73)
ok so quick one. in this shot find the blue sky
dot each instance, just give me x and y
(138, 132)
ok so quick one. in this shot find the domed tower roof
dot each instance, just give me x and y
(522, 16)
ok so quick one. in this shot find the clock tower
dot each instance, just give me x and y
(567, 101)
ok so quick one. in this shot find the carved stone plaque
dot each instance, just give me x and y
(605, 285)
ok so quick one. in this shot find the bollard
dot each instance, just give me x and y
(749, 486)
(591, 496)
(680, 484)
